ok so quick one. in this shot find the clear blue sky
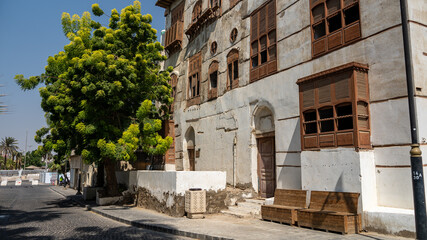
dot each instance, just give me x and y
(30, 32)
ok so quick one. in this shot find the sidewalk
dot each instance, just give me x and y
(216, 226)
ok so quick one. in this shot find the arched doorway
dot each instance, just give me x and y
(266, 154)
(190, 138)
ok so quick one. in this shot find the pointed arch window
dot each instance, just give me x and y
(233, 69)
(213, 80)
(194, 75)
(197, 11)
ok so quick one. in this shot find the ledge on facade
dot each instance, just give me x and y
(194, 101)
(345, 67)
(207, 15)
(164, 3)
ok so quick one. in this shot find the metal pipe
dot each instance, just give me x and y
(416, 158)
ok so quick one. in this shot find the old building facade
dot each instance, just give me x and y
(299, 94)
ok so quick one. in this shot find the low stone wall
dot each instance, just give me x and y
(147, 200)
(165, 191)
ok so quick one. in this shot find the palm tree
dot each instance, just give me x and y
(8, 145)
(18, 160)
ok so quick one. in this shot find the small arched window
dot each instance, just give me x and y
(197, 11)
(233, 69)
(213, 80)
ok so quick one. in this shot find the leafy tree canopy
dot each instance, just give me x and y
(104, 95)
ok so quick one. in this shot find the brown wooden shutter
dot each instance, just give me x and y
(308, 94)
(262, 20)
(348, 2)
(318, 13)
(342, 86)
(333, 6)
(324, 90)
(362, 88)
(254, 27)
(271, 8)
(213, 67)
(362, 112)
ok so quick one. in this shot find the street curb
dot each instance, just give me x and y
(152, 227)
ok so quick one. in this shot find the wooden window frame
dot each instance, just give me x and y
(327, 89)
(174, 85)
(340, 37)
(197, 11)
(213, 69)
(233, 60)
(194, 79)
(263, 61)
(214, 47)
(233, 35)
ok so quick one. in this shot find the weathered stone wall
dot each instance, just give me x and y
(147, 200)
(174, 205)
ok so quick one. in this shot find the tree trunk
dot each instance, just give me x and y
(110, 171)
(100, 175)
(5, 159)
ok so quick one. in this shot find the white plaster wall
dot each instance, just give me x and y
(394, 187)
(207, 180)
(331, 170)
(288, 137)
(390, 122)
(390, 220)
(368, 180)
(421, 104)
(160, 182)
(371, 9)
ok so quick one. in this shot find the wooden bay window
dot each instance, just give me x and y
(263, 42)
(334, 108)
(334, 23)
(194, 75)
(174, 34)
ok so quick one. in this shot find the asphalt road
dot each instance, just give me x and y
(36, 212)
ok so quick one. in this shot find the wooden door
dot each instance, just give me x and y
(266, 167)
(191, 157)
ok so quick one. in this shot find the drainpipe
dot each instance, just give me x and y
(416, 158)
(234, 160)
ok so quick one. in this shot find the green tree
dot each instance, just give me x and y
(8, 145)
(105, 95)
(34, 158)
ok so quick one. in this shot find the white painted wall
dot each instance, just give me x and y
(177, 182)
(331, 170)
